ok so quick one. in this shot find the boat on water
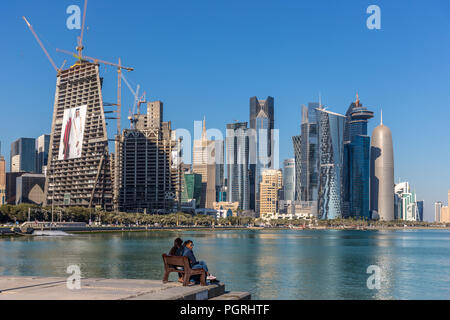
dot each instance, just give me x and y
(50, 233)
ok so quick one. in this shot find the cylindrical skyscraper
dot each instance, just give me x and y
(382, 173)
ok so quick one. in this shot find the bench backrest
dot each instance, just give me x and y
(178, 261)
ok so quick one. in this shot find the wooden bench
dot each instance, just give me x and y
(170, 264)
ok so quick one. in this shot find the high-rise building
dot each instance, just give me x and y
(149, 174)
(262, 159)
(269, 186)
(331, 160)
(42, 146)
(205, 164)
(261, 144)
(289, 179)
(437, 211)
(78, 169)
(237, 141)
(382, 173)
(23, 155)
(296, 141)
(219, 155)
(419, 204)
(356, 176)
(192, 188)
(405, 203)
(309, 148)
(2, 181)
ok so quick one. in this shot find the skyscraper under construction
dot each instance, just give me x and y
(78, 172)
(148, 161)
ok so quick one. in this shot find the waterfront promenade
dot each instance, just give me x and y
(55, 288)
(10, 231)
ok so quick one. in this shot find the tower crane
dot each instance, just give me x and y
(42, 46)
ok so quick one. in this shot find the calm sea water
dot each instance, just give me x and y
(288, 264)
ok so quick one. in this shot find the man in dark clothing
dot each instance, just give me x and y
(187, 252)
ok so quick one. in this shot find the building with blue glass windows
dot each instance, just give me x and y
(419, 204)
(23, 155)
(356, 171)
(331, 158)
(309, 154)
(262, 159)
(261, 144)
(42, 147)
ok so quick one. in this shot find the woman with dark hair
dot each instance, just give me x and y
(177, 250)
(177, 245)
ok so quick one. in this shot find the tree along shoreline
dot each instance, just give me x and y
(27, 212)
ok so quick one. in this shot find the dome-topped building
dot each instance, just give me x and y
(382, 173)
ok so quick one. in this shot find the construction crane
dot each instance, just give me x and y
(94, 60)
(80, 38)
(132, 114)
(43, 47)
(142, 99)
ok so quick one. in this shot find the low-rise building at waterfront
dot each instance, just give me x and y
(30, 188)
(298, 209)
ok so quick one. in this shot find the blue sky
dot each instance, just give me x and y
(207, 58)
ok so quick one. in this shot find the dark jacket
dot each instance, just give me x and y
(176, 251)
(188, 253)
(173, 251)
(179, 251)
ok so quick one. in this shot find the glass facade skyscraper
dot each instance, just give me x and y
(23, 155)
(42, 147)
(237, 142)
(358, 174)
(356, 171)
(331, 156)
(309, 153)
(419, 204)
(296, 141)
(261, 117)
(192, 188)
(289, 179)
(262, 159)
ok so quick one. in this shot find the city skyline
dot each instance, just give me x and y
(398, 91)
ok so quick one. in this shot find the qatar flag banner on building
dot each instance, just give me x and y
(71, 142)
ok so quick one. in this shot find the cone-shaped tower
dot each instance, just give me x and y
(382, 173)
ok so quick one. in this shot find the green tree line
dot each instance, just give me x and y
(21, 213)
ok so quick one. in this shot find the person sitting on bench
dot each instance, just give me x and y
(177, 250)
(187, 252)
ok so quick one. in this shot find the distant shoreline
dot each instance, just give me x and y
(5, 231)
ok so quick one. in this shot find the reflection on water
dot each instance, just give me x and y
(289, 264)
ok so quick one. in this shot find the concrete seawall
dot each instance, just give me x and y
(55, 288)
